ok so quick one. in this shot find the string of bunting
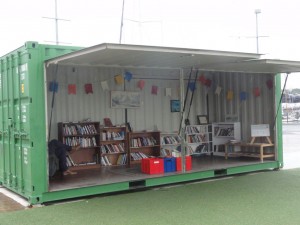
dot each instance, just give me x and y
(229, 94)
(127, 76)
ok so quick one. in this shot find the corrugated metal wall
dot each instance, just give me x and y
(155, 109)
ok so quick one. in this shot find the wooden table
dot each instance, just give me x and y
(261, 155)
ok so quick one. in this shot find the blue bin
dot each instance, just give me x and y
(169, 164)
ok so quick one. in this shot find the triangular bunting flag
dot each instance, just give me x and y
(128, 76)
(72, 89)
(88, 88)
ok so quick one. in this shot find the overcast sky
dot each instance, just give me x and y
(214, 24)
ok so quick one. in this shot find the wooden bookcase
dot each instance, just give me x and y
(143, 145)
(223, 133)
(198, 139)
(85, 134)
(170, 144)
(113, 146)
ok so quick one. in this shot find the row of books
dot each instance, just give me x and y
(221, 131)
(79, 130)
(138, 156)
(196, 138)
(106, 136)
(113, 148)
(170, 140)
(122, 159)
(196, 129)
(197, 150)
(167, 152)
(70, 162)
(143, 141)
(83, 142)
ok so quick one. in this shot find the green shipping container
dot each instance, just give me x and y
(23, 155)
(25, 103)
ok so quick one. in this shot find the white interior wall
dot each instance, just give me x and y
(155, 109)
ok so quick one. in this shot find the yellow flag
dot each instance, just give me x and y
(229, 95)
(119, 79)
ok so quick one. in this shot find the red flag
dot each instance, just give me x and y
(88, 88)
(208, 82)
(269, 84)
(256, 92)
(72, 89)
(202, 79)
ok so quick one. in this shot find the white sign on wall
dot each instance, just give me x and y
(260, 130)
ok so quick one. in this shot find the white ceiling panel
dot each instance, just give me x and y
(137, 56)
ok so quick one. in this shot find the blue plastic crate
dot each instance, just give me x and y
(169, 164)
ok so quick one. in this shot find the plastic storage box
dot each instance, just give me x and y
(169, 164)
(153, 166)
(188, 163)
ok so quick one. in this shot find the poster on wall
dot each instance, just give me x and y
(125, 99)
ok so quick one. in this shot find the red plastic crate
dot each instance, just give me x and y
(188, 163)
(153, 166)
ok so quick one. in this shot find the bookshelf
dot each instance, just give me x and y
(143, 145)
(198, 139)
(170, 144)
(223, 133)
(113, 146)
(85, 134)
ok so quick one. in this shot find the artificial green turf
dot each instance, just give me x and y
(266, 198)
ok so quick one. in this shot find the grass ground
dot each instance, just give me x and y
(266, 198)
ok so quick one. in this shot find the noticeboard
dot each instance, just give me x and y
(260, 130)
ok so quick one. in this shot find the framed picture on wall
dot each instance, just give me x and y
(175, 105)
(202, 119)
(125, 99)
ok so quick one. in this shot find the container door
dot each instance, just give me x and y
(7, 152)
(2, 161)
(11, 132)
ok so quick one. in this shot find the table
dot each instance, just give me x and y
(261, 155)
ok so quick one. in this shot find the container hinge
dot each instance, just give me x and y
(16, 134)
(5, 133)
(21, 133)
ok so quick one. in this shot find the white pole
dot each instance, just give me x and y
(56, 24)
(182, 131)
(121, 28)
(257, 11)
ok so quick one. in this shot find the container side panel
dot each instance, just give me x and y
(1, 124)
(6, 127)
(279, 120)
(33, 123)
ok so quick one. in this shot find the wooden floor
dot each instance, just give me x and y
(109, 175)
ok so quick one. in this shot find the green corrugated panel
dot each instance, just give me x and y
(252, 168)
(189, 176)
(1, 122)
(279, 121)
(23, 148)
(84, 191)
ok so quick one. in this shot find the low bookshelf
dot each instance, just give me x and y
(113, 146)
(170, 144)
(143, 145)
(223, 133)
(199, 139)
(85, 135)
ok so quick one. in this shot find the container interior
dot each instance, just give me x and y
(219, 99)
